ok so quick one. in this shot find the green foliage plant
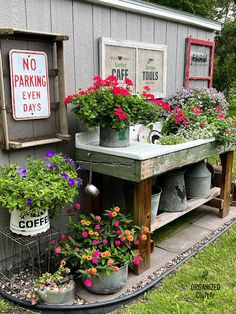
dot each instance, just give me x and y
(97, 244)
(109, 104)
(49, 183)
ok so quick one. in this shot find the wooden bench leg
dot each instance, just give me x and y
(142, 217)
(227, 166)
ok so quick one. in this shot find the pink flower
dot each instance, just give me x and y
(96, 253)
(117, 242)
(104, 241)
(97, 78)
(88, 283)
(137, 260)
(218, 109)
(128, 82)
(95, 242)
(116, 224)
(118, 232)
(146, 87)
(52, 242)
(77, 206)
(98, 218)
(76, 249)
(97, 227)
(85, 234)
(57, 250)
(110, 214)
(70, 238)
(94, 260)
(220, 116)
(123, 116)
(62, 237)
(117, 112)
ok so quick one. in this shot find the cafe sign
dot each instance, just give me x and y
(29, 85)
(145, 64)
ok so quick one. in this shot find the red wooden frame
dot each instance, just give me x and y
(199, 42)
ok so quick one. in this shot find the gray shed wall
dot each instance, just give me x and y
(84, 23)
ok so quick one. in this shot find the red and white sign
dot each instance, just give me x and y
(29, 85)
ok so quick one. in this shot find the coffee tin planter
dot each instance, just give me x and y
(110, 137)
(58, 296)
(198, 181)
(173, 196)
(29, 226)
(108, 284)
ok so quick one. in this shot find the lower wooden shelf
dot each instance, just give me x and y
(167, 217)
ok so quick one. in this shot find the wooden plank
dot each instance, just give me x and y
(4, 125)
(17, 145)
(160, 32)
(118, 24)
(167, 217)
(171, 41)
(180, 58)
(226, 179)
(147, 29)
(101, 28)
(65, 137)
(61, 87)
(142, 217)
(216, 202)
(161, 164)
(114, 166)
(5, 31)
(133, 26)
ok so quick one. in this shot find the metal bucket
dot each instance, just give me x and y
(156, 194)
(198, 181)
(110, 137)
(58, 296)
(108, 284)
(29, 226)
(173, 196)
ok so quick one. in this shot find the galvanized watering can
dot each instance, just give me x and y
(173, 197)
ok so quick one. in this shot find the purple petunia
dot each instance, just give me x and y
(29, 201)
(71, 182)
(79, 181)
(22, 172)
(69, 161)
(54, 167)
(64, 175)
(47, 163)
(49, 153)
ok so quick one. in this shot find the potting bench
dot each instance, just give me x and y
(139, 162)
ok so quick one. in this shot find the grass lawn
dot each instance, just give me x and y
(216, 264)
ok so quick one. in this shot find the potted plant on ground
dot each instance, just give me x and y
(198, 113)
(113, 108)
(57, 288)
(37, 192)
(101, 249)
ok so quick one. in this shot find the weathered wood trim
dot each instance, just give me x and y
(161, 164)
(4, 126)
(65, 137)
(114, 166)
(167, 217)
(6, 31)
(61, 87)
(17, 145)
(216, 203)
(226, 179)
(142, 217)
